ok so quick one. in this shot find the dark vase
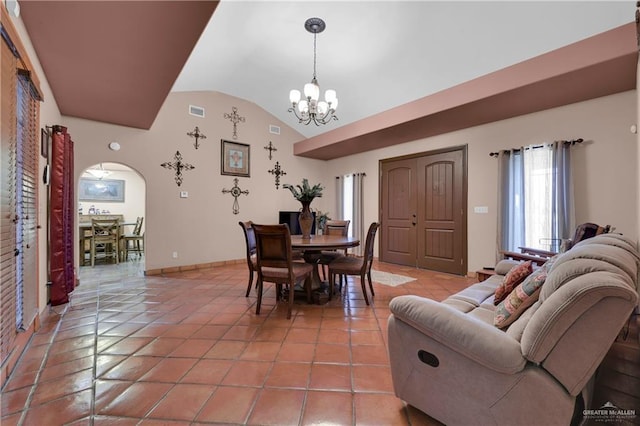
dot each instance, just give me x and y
(305, 219)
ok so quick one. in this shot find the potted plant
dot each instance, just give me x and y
(321, 220)
(305, 194)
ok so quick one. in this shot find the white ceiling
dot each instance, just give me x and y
(379, 54)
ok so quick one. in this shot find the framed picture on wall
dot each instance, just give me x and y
(105, 190)
(234, 159)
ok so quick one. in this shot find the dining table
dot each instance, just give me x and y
(84, 233)
(312, 248)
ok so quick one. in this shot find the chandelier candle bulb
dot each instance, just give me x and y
(294, 96)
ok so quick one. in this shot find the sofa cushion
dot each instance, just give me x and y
(523, 296)
(512, 279)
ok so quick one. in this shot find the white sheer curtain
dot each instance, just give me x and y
(350, 205)
(535, 197)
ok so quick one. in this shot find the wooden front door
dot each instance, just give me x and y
(423, 211)
(399, 186)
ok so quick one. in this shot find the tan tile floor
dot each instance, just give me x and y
(187, 348)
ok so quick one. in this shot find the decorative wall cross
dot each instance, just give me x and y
(271, 149)
(277, 171)
(235, 192)
(235, 119)
(196, 134)
(178, 165)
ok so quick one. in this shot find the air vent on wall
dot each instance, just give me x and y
(274, 129)
(196, 110)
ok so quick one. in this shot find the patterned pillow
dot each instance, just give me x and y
(515, 276)
(523, 296)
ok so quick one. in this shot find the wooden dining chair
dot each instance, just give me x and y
(333, 227)
(349, 265)
(105, 234)
(133, 242)
(252, 258)
(275, 263)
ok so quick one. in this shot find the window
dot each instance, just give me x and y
(536, 197)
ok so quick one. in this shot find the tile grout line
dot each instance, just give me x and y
(27, 404)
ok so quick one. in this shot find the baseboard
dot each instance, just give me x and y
(185, 268)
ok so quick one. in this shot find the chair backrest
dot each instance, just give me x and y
(273, 246)
(105, 229)
(337, 227)
(138, 228)
(368, 247)
(249, 239)
(588, 230)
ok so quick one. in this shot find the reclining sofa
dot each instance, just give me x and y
(449, 360)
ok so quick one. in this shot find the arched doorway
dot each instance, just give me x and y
(112, 191)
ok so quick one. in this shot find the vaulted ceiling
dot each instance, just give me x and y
(401, 69)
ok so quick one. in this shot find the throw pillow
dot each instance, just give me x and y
(523, 296)
(514, 277)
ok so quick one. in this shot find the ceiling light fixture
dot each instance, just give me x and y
(99, 172)
(311, 109)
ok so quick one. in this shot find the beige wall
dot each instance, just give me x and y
(202, 227)
(606, 182)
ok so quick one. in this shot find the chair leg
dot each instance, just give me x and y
(370, 284)
(290, 304)
(332, 280)
(307, 286)
(259, 302)
(250, 282)
(364, 288)
(92, 253)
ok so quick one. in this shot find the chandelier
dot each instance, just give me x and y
(311, 108)
(99, 172)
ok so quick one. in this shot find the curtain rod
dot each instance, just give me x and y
(354, 174)
(571, 142)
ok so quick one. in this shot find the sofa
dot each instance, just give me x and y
(449, 360)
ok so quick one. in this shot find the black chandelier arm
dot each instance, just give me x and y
(314, 117)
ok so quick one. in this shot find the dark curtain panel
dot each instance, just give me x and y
(62, 217)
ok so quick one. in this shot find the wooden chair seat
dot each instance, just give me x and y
(276, 265)
(355, 266)
(333, 227)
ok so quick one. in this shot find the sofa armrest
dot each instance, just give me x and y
(481, 342)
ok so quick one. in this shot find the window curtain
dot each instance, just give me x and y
(358, 211)
(535, 197)
(62, 218)
(562, 197)
(339, 198)
(510, 201)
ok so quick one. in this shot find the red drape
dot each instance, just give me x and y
(62, 218)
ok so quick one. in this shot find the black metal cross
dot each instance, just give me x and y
(178, 166)
(235, 192)
(235, 119)
(196, 134)
(271, 149)
(278, 172)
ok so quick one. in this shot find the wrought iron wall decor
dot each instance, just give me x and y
(270, 148)
(235, 118)
(196, 134)
(277, 171)
(235, 192)
(179, 166)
